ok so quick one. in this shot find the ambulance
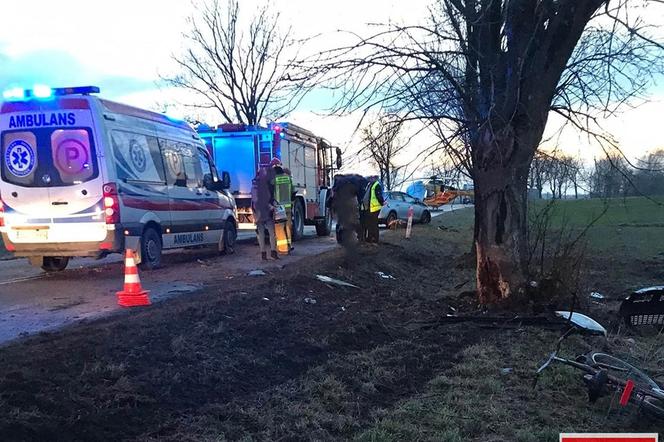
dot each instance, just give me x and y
(85, 176)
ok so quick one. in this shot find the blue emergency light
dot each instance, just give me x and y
(15, 93)
(40, 91)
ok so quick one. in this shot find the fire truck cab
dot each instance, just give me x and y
(242, 149)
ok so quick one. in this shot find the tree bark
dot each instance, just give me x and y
(501, 241)
(576, 191)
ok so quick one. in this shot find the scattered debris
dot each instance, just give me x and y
(506, 370)
(458, 286)
(533, 284)
(203, 263)
(258, 272)
(385, 275)
(329, 280)
(266, 299)
(310, 300)
(596, 295)
(644, 307)
(343, 309)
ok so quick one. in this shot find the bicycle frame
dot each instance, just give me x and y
(597, 374)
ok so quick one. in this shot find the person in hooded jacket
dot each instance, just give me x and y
(262, 206)
(345, 202)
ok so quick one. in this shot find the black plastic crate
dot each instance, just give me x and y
(644, 307)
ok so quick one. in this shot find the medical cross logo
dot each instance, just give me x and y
(137, 154)
(20, 158)
(608, 437)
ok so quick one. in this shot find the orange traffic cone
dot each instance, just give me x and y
(133, 294)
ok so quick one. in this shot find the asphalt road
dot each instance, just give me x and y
(32, 301)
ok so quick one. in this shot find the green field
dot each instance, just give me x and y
(627, 227)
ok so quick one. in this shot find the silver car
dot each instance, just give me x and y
(397, 205)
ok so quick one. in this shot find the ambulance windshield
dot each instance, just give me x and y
(47, 157)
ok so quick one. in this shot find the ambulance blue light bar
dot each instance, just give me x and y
(15, 93)
(41, 91)
(45, 92)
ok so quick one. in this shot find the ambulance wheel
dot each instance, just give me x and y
(150, 249)
(230, 237)
(325, 227)
(298, 221)
(55, 263)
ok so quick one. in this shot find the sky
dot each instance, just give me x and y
(124, 46)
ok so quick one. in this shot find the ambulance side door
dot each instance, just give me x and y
(215, 203)
(186, 199)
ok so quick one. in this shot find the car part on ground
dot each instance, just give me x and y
(644, 307)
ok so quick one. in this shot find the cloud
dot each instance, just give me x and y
(59, 69)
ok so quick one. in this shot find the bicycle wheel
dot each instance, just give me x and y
(623, 371)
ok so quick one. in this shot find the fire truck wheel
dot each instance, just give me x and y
(55, 263)
(298, 221)
(324, 227)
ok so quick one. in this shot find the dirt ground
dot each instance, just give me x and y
(287, 357)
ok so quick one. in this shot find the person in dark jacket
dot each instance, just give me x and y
(262, 206)
(347, 193)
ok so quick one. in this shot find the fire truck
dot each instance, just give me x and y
(241, 149)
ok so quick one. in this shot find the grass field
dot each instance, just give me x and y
(629, 227)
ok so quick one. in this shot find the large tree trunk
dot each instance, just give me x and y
(501, 189)
(501, 244)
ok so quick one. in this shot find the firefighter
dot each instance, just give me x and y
(283, 195)
(262, 205)
(372, 203)
(289, 212)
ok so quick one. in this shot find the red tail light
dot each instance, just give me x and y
(111, 204)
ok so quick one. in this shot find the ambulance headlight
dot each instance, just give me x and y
(15, 93)
(41, 91)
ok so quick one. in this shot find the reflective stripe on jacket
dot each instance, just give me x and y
(283, 189)
(375, 204)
